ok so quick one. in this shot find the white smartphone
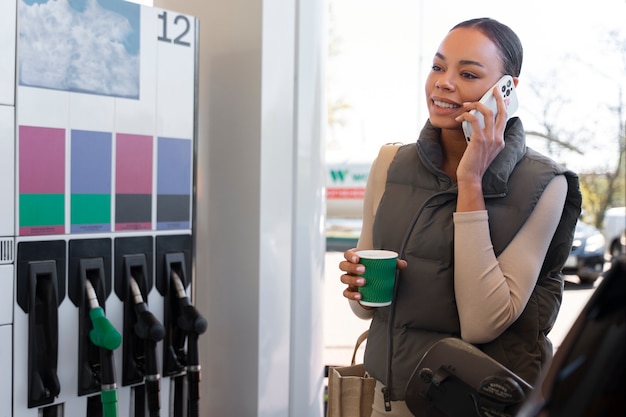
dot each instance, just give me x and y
(506, 88)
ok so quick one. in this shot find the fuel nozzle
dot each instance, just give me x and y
(147, 327)
(193, 324)
(189, 320)
(107, 338)
(151, 331)
(103, 334)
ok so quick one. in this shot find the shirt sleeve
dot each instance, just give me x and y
(491, 292)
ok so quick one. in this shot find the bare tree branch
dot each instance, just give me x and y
(555, 140)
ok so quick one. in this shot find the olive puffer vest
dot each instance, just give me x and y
(414, 218)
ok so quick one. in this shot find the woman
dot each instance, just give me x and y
(482, 227)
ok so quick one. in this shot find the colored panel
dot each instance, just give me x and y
(42, 160)
(41, 214)
(133, 212)
(133, 182)
(41, 180)
(91, 162)
(133, 164)
(173, 212)
(174, 166)
(173, 184)
(91, 213)
(91, 179)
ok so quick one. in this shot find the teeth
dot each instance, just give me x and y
(445, 105)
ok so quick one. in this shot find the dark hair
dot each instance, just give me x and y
(505, 39)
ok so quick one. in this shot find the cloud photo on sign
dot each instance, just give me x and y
(85, 46)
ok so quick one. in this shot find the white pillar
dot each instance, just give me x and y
(260, 205)
(7, 171)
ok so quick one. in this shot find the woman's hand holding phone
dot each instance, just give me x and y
(488, 118)
(504, 88)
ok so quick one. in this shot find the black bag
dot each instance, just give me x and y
(454, 377)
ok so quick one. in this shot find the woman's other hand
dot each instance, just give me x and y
(353, 269)
(351, 278)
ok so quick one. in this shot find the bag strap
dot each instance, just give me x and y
(385, 155)
(374, 190)
(359, 341)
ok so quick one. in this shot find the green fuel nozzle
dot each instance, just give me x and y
(103, 334)
(107, 338)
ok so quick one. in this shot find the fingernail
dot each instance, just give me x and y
(360, 269)
(360, 281)
(357, 296)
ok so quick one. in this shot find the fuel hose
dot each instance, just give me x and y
(151, 331)
(193, 324)
(107, 338)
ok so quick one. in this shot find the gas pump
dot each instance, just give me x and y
(97, 139)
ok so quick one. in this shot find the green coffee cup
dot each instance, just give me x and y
(380, 276)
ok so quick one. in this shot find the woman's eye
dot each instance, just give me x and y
(436, 68)
(468, 75)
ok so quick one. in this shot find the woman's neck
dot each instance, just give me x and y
(453, 147)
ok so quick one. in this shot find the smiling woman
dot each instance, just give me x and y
(482, 227)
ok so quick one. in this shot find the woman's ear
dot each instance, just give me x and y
(515, 81)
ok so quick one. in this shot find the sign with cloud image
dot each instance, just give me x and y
(84, 46)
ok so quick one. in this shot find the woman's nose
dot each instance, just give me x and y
(444, 83)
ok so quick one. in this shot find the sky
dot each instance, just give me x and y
(70, 45)
(570, 72)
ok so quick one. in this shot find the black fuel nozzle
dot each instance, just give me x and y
(151, 331)
(193, 324)
(189, 320)
(147, 327)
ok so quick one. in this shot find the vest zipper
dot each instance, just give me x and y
(387, 398)
(386, 390)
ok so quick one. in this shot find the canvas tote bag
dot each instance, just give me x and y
(350, 388)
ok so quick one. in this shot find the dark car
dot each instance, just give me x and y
(587, 256)
(587, 376)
